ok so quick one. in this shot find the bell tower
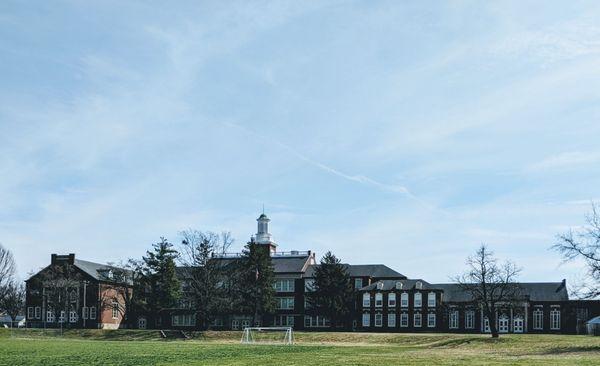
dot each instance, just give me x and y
(263, 236)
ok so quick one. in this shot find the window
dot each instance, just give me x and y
(404, 320)
(366, 320)
(378, 320)
(115, 310)
(307, 304)
(284, 320)
(218, 322)
(285, 303)
(50, 316)
(85, 312)
(366, 300)
(378, 300)
(72, 316)
(92, 312)
(453, 320)
(555, 319)
(418, 300)
(309, 285)
(431, 299)
(391, 320)
(391, 300)
(358, 283)
(417, 320)
(284, 285)
(38, 312)
(315, 321)
(419, 285)
(30, 312)
(503, 324)
(486, 325)
(404, 300)
(431, 320)
(183, 320)
(469, 319)
(235, 324)
(245, 323)
(538, 319)
(61, 318)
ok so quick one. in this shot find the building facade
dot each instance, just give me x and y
(386, 301)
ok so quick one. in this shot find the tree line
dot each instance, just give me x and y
(12, 291)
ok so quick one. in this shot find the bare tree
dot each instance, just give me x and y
(60, 284)
(489, 283)
(205, 276)
(7, 270)
(13, 301)
(584, 244)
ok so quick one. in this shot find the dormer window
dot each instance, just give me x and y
(419, 285)
(399, 285)
(380, 285)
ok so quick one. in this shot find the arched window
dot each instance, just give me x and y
(431, 299)
(418, 299)
(404, 300)
(379, 299)
(391, 299)
(366, 300)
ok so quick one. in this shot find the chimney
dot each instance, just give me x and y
(53, 259)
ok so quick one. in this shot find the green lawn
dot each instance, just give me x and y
(29, 347)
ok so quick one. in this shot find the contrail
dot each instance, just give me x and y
(354, 178)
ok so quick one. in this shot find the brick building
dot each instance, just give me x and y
(387, 301)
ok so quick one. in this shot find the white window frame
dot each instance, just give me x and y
(38, 312)
(61, 318)
(417, 320)
(453, 319)
(366, 300)
(418, 300)
(92, 312)
(555, 319)
(392, 300)
(235, 324)
(85, 312)
(50, 318)
(358, 283)
(115, 310)
(285, 285)
(538, 319)
(431, 320)
(30, 313)
(379, 320)
(391, 320)
(285, 303)
(518, 324)
(404, 299)
(366, 320)
(378, 300)
(431, 300)
(72, 316)
(404, 320)
(470, 319)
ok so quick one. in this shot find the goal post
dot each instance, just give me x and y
(268, 335)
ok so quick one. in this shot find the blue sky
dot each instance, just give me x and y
(404, 133)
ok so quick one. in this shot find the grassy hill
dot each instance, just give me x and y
(134, 347)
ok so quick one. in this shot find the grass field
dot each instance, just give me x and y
(95, 347)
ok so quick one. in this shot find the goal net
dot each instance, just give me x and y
(268, 335)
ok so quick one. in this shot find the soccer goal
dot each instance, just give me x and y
(268, 335)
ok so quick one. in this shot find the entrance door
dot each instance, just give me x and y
(518, 325)
(141, 323)
(503, 324)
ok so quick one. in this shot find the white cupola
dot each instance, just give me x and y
(262, 235)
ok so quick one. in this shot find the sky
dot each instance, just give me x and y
(395, 132)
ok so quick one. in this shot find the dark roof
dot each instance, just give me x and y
(281, 264)
(534, 291)
(391, 284)
(363, 270)
(101, 272)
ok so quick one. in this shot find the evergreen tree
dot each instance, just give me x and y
(333, 294)
(256, 279)
(159, 277)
